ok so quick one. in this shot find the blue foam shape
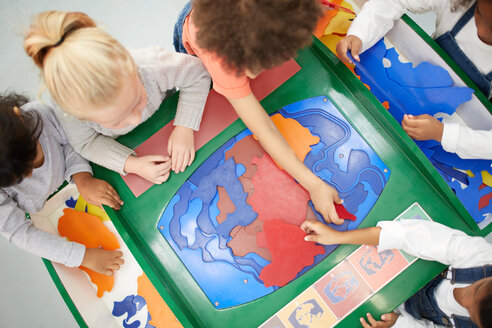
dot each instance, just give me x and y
(187, 221)
(355, 199)
(130, 306)
(213, 210)
(71, 202)
(180, 208)
(204, 259)
(458, 175)
(225, 176)
(417, 77)
(240, 169)
(406, 88)
(212, 162)
(471, 195)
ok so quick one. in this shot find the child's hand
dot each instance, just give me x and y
(323, 196)
(320, 233)
(181, 148)
(352, 43)
(102, 261)
(154, 168)
(423, 127)
(387, 320)
(97, 192)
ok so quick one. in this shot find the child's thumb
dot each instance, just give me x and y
(312, 238)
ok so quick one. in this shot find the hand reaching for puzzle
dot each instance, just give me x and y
(97, 192)
(154, 168)
(181, 148)
(387, 320)
(423, 127)
(323, 196)
(352, 43)
(102, 261)
(320, 233)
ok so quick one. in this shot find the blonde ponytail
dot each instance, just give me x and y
(82, 65)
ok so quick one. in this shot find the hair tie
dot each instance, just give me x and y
(59, 42)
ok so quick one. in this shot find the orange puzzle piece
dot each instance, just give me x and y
(88, 230)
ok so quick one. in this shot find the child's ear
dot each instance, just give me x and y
(17, 110)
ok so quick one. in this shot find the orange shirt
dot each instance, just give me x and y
(225, 81)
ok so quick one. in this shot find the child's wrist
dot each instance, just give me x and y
(130, 164)
(81, 177)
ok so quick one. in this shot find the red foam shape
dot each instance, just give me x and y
(290, 252)
(218, 115)
(343, 213)
(276, 194)
(484, 201)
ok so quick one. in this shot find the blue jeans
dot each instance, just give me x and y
(178, 29)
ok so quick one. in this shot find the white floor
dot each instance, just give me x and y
(29, 297)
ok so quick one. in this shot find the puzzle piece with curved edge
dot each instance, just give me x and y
(87, 229)
(243, 153)
(289, 204)
(290, 252)
(343, 213)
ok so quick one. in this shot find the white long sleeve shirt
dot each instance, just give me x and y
(435, 242)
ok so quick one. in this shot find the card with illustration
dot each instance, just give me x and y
(274, 322)
(415, 212)
(377, 268)
(307, 311)
(343, 289)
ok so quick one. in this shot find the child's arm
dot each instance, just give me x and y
(421, 238)
(258, 121)
(174, 70)
(108, 152)
(466, 142)
(21, 232)
(375, 19)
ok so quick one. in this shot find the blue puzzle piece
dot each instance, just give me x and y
(398, 84)
(458, 175)
(211, 163)
(180, 209)
(130, 306)
(470, 197)
(71, 202)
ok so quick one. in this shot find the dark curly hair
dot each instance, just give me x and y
(255, 34)
(18, 139)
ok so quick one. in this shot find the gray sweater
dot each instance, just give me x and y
(60, 163)
(159, 71)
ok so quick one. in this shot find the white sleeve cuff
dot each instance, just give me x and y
(450, 136)
(391, 236)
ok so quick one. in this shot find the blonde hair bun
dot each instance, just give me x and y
(82, 64)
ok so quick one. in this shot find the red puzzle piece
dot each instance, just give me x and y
(290, 252)
(343, 213)
(276, 194)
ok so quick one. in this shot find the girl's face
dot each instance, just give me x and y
(483, 20)
(126, 109)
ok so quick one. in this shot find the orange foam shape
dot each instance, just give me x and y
(298, 137)
(340, 23)
(319, 31)
(88, 230)
(160, 313)
(386, 104)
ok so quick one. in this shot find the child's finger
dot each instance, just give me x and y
(314, 238)
(114, 267)
(111, 202)
(364, 323)
(179, 162)
(186, 158)
(108, 272)
(333, 215)
(355, 50)
(114, 194)
(342, 47)
(372, 321)
(192, 157)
